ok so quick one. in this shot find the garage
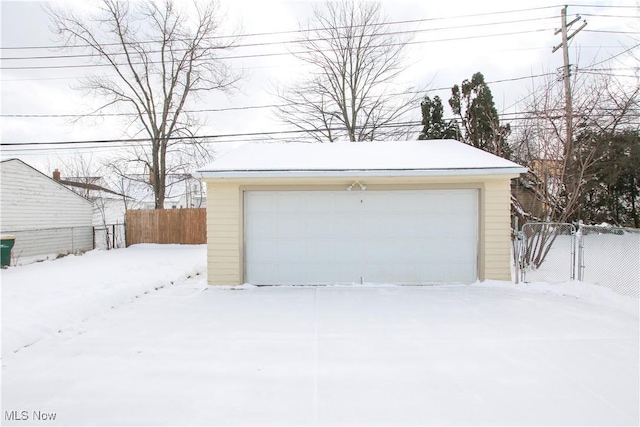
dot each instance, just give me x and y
(376, 212)
(326, 237)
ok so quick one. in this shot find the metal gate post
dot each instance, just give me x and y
(580, 252)
(516, 251)
(573, 252)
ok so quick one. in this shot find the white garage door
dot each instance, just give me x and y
(325, 237)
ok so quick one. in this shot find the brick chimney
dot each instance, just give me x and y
(56, 175)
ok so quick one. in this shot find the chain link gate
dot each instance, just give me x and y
(547, 252)
(599, 255)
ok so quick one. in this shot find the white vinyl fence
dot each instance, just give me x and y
(604, 256)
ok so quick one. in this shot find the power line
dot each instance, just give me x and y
(218, 138)
(277, 43)
(67, 77)
(249, 107)
(411, 21)
(262, 55)
(616, 55)
(602, 6)
(596, 15)
(611, 32)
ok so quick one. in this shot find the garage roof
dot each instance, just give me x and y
(376, 158)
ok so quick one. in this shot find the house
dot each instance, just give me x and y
(403, 212)
(45, 217)
(109, 206)
(182, 191)
(531, 191)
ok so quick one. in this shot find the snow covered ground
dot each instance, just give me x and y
(136, 337)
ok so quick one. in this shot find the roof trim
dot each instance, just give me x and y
(299, 173)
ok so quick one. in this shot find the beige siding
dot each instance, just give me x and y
(496, 246)
(224, 220)
(225, 217)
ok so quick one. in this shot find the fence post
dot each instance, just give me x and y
(573, 252)
(516, 250)
(580, 252)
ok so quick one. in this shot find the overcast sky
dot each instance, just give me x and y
(507, 41)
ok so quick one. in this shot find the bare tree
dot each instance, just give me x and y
(84, 175)
(122, 179)
(355, 58)
(161, 59)
(603, 106)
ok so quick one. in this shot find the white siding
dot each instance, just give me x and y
(31, 201)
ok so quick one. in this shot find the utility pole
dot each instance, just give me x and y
(566, 75)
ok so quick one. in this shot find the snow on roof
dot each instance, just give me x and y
(377, 158)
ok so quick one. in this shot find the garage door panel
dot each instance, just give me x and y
(416, 236)
(346, 225)
(265, 271)
(384, 203)
(262, 250)
(296, 273)
(322, 250)
(433, 227)
(382, 250)
(396, 225)
(290, 201)
(320, 225)
(463, 202)
(262, 225)
(349, 251)
(320, 202)
(291, 225)
(347, 201)
(391, 273)
(460, 248)
(466, 226)
(260, 202)
(292, 250)
(459, 273)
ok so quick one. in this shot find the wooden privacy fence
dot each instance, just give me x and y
(184, 226)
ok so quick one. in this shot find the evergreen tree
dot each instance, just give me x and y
(473, 104)
(433, 122)
(611, 192)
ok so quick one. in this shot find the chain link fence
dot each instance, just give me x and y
(556, 252)
(610, 257)
(110, 236)
(47, 243)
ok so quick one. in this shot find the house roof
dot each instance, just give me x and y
(88, 186)
(377, 158)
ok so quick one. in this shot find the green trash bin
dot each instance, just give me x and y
(7, 243)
